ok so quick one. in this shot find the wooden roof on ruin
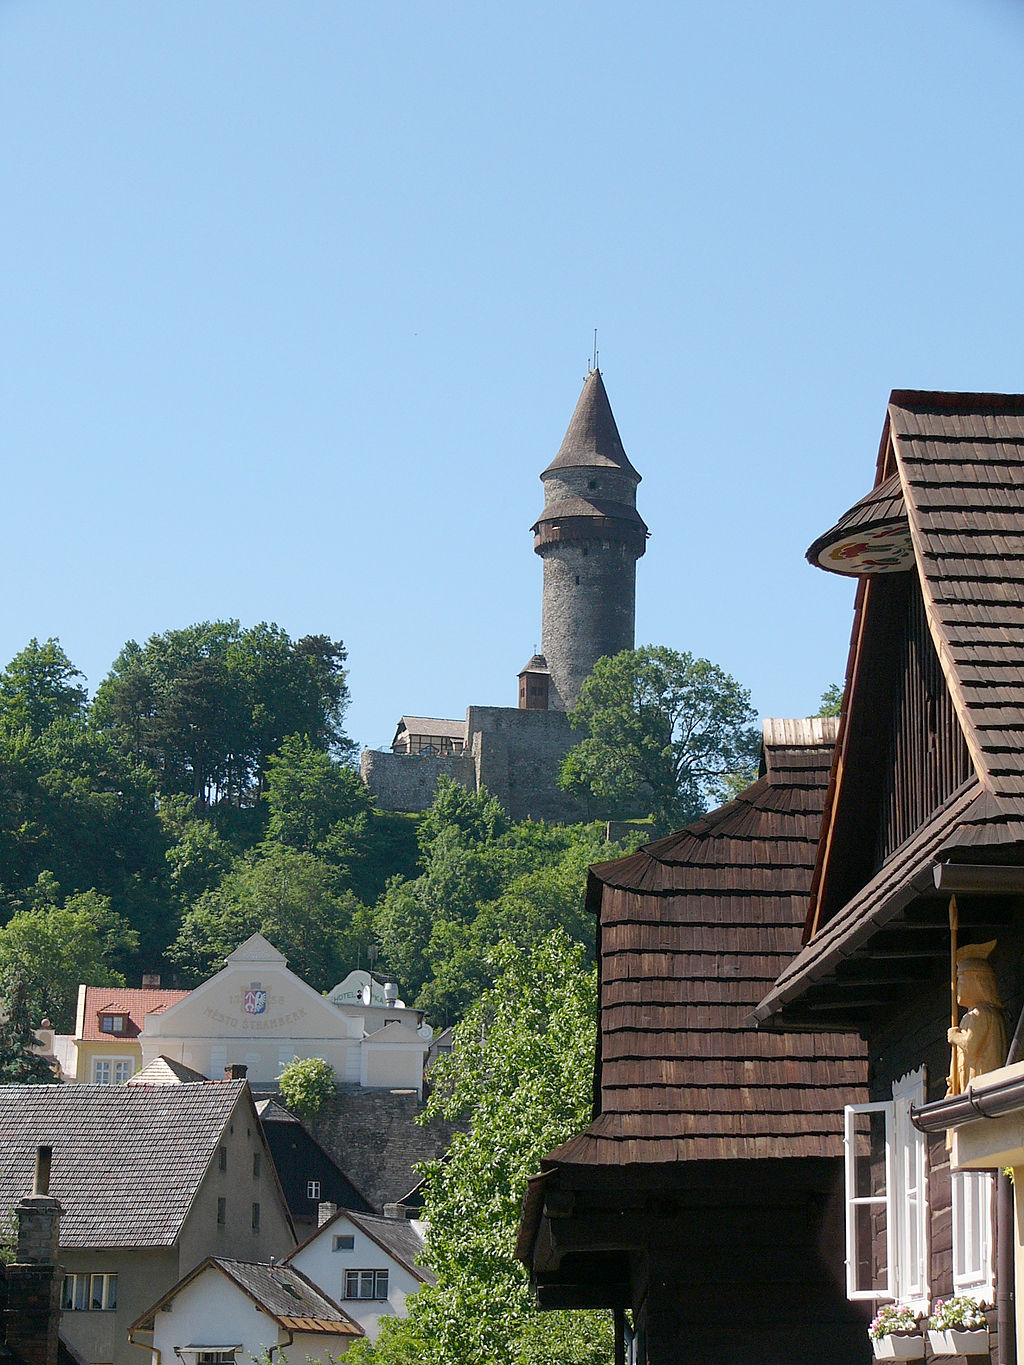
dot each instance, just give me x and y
(959, 460)
(693, 929)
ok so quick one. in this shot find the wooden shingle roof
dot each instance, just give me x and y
(693, 930)
(959, 460)
(592, 439)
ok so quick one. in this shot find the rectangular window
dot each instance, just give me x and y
(886, 1199)
(83, 1293)
(366, 1284)
(255, 1165)
(344, 1243)
(101, 1072)
(222, 1210)
(255, 1217)
(312, 1189)
(123, 1070)
(973, 1271)
(112, 1023)
(222, 1158)
(226, 1357)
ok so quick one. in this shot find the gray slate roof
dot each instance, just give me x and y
(397, 1236)
(286, 1294)
(127, 1159)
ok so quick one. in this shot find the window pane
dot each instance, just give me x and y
(67, 1295)
(869, 1155)
(101, 1073)
(381, 1284)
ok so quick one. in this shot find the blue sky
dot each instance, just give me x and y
(298, 299)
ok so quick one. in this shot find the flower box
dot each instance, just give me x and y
(959, 1341)
(899, 1346)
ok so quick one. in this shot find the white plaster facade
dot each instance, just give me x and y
(212, 1314)
(327, 1259)
(259, 1013)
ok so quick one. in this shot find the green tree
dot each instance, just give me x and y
(831, 700)
(205, 707)
(75, 808)
(308, 793)
(47, 952)
(520, 1076)
(306, 1085)
(20, 1063)
(293, 899)
(37, 687)
(663, 731)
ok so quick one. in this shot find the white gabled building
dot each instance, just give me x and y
(258, 1013)
(368, 1263)
(228, 1312)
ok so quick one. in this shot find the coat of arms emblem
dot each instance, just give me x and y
(254, 1001)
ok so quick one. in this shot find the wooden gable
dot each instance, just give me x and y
(927, 788)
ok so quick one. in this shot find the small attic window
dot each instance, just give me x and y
(345, 1242)
(591, 483)
(112, 1023)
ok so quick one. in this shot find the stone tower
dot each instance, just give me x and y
(589, 536)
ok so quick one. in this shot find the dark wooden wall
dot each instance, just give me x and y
(926, 756)
(761, 1282)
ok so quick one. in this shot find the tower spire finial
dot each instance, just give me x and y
(592, 364)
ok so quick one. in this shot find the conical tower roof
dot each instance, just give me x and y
(592, 440)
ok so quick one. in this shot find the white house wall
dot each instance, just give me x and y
(259, 1013)
(326, 1268)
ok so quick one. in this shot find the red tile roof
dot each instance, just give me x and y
(135, 1002)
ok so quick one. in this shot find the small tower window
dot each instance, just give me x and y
(586, 549)
(591, 483)
(577, 580)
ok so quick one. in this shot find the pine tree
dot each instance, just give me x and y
(20, 1064)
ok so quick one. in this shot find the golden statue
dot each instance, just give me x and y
(979, 1042)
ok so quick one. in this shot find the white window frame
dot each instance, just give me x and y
(904, 1198)
(971, 1194)
(89, 1292)
(116, 1070)
(372, 1280)
(313, 1188)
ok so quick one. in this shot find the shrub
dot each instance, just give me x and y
(306, 1085)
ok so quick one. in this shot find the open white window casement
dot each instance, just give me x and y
(973, 1265)
(886, 1199)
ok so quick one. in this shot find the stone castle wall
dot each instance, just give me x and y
(518, 755)
(375, 1139)
(407, 782)
(515, 754)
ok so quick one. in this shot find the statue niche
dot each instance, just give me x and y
(979, 1042)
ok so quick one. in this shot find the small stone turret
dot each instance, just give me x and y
(589, 536)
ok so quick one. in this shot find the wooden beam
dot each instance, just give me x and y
(583, 1296)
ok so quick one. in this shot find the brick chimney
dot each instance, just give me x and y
(235, 1071)
(325, 1211)
(34, 1278)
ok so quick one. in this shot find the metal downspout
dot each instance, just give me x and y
(1005, 1306)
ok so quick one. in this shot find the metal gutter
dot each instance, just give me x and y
(988, 1102)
